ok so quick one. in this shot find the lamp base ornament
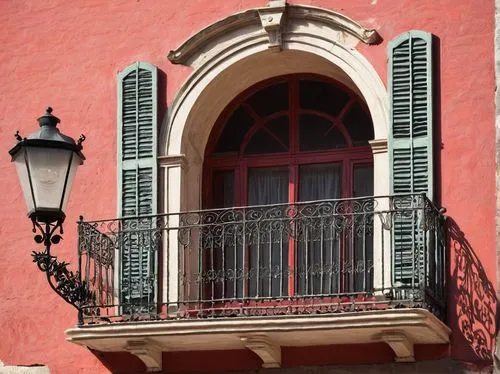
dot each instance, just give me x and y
(68, 285)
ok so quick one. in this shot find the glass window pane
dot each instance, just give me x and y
(234, 132)
(316, 133)
(363, 180)
(280, 128)
(270, 100)
(223, 189)
(263, 142)
(322, 96)
(359, 125)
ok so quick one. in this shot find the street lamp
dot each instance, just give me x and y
(46, 163)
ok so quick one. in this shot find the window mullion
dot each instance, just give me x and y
(292, 247)
(293, 107)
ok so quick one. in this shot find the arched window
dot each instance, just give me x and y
(285, 141)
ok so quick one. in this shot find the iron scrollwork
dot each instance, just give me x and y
(64, 282)
(334, 243)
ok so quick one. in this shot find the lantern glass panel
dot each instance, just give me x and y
(48, 168)
(75, 162)
(20, 161)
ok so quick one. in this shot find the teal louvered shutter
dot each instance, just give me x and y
(410, 146)
(137, 184)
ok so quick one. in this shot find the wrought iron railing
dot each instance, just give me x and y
(314, 257)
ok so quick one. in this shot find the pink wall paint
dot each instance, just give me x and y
(239, 360)
(67, 55)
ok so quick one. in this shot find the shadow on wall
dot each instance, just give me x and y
(472, 310)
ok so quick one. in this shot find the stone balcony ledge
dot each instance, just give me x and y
(399, 328)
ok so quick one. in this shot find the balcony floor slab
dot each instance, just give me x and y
(418, 326)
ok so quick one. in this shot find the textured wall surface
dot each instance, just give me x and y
(67, 54)
(427, 367)
(497, 126)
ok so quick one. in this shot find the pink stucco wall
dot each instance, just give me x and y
(66, 54)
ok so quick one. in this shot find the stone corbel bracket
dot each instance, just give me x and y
(400, 343)
(147, 351)
(272, 19)
(173, 160)
(277, 20)
(262, 346)
(378, 145)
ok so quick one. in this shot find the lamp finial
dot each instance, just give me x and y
(48, 119)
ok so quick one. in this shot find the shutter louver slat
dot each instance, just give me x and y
(145, 197)
(410, 145)
(138, 114)
(129, 193)
(137, 185)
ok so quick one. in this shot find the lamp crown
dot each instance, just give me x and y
(48, 119)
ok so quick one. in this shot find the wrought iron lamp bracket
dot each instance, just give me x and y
(65, 283)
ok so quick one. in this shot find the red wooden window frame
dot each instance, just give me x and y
(349, 157)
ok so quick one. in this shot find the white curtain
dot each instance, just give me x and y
(319, 182)
(267, 186)
(327, 259)
(269, 248)
(318, 246)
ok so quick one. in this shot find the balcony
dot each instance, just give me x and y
(315, 273)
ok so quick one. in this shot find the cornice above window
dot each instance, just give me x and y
(273, 25)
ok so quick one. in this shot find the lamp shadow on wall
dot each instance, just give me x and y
(473, 302)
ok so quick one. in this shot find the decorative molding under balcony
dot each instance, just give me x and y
(267, 350)
(265, 335)
(400, 343)
(148, 351)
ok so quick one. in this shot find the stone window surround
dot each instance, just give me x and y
(237, 52)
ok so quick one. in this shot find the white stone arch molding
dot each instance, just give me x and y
(239, 51)
(320, 32)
